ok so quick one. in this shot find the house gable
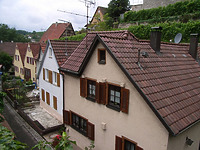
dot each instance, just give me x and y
(117, 122)
(125, 52)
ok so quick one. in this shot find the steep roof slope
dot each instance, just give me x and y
(8, 47)
(22, 47)
(35, 47)
(169, 82)
(63, 49)
(55, 31)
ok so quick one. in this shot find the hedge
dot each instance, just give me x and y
(177, 9)
(169, 30)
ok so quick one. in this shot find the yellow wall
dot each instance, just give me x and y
(19, 64)
(30, 66)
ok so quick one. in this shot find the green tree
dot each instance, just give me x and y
(6, 61)
(10, 34)
(117, 7)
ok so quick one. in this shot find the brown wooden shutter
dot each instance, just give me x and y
(50, 76)
(97, 92)
(43, 74)
(102, 93)
(83, 87)
(124, 100)
(48, 98)
(90, 131)
(58, 79)
(138, 148)
(66, 117)
(55, 102)
(43, 95)
(118, 143)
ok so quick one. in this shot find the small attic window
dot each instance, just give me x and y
(50, 52)
(101, 56)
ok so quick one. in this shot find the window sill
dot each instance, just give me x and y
(113, 107)
(78, 130)
(91, 99)
(102, 62)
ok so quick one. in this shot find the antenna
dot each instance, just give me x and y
(65, 31)
(178, 38)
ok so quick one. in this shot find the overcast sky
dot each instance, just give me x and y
(38, 15)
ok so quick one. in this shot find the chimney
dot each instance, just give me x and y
(155, 38)
(193, 45)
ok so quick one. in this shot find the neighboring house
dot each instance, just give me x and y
(8, 47)
(98, 16)
(56, 31)
(50, 80)
(124, 93)
(18, 61)
(38, 59)
(30, 66)
(24, 60)
(148, 4)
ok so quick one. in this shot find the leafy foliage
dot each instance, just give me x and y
(117, 7)
(178, 9)
(42, 145)
(7, 141)
(65, 143)
(91, 146)
(169, 30)
(6, 61)
(77, 37)
(10, 34)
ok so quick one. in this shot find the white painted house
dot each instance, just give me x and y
(50, 80)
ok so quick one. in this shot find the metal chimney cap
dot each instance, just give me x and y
(156, 28)
(194, 34)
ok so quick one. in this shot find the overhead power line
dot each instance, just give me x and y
(73, 13)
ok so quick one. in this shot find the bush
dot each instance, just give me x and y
(177, 9)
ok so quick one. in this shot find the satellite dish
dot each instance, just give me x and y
(178, 38)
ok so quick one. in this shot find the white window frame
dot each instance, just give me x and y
(46, 74)
(55, 78)
(50, 52)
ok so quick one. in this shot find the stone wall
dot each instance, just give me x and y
(147, 4)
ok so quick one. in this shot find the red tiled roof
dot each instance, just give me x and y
(169, 82)
(35, 48)
(60, 50)
(22, 47)
(54, 31)
(8, 47)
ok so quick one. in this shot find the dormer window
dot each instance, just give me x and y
(101, 56)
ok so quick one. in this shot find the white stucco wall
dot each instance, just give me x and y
(178, 142)
(140, 124)
(51, 64)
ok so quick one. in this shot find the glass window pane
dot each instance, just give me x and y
(117, 100)
(117, 94)
(112, 92)
(112, 98)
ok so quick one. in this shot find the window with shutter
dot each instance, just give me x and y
(43, 95)
(58, 79)
(102, 93)
(125, 144)
(48, 98)
(83, 87)
(43, 74)
(124, 100)
(90, 131)
(118, 143)
(50, 76)
(79, 123)
(114, 97)
(66, 117)
(55, 102)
